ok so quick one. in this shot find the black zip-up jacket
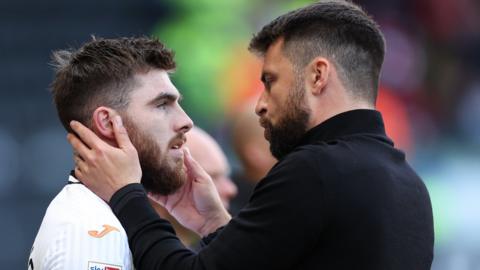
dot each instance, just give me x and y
(345, 198)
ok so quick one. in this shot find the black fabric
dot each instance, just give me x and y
(207, 239)
(345, 198)
(72, 173)
(73, 183)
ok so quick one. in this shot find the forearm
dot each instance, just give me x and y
(152, 239)
(273, 231)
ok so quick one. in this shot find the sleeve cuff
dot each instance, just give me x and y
(131, 206)
(209, 238)
(124, 195)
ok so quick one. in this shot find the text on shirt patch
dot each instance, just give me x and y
(103, 266)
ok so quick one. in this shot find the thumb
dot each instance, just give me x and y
(194, 169)
(121, 134)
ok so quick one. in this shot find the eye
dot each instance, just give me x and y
(162, 105)
(267, 82)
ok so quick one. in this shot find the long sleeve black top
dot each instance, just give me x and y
(345, 198)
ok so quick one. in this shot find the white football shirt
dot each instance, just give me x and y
(80, 231)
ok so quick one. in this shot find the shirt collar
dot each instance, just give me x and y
(72, 179)
(362, 121)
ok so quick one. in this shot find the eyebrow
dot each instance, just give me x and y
(166, 96)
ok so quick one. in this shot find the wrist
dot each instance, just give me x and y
(213, 223)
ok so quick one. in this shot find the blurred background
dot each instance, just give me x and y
(430, 97)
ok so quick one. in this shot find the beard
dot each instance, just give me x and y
(159, 176)
(291, 127)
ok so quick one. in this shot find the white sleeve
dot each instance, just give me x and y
(86, 247)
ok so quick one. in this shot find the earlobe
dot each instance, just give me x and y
(102, 121)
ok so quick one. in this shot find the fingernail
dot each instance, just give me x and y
(73, 123)
(118, 119)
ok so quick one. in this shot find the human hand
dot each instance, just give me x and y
(197, 205)
(103, 168)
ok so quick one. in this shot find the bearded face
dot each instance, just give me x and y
(160, 174)
(285, 135)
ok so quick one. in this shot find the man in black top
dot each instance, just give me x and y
(340, 197)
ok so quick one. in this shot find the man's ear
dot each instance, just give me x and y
(102, 122)
(317, 74)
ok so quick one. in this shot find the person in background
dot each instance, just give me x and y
(250, 145)
(252, 151)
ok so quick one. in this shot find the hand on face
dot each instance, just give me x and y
(197, 205)
(104, 169)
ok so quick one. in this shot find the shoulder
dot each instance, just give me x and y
(77, 229)
(337, 156)
(310, 167)
(331, 150)
(311, 158)
(297, 173)
(75, 204)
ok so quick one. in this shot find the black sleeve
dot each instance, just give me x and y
(280, 224)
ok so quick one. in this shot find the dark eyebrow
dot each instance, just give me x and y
(165, 96)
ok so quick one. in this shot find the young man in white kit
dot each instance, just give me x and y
(105, 79)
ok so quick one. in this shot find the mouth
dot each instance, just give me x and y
(175, 149)
(177, 143)
(266, 128)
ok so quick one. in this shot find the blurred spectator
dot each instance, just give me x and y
(249, 143)
(252, 150)
(469, 114)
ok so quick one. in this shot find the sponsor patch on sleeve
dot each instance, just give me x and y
(103, 266)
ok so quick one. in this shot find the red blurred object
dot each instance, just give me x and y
(395, 116)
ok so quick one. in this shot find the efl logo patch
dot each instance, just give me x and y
(103, 266)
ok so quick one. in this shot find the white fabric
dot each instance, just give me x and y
(73, 236)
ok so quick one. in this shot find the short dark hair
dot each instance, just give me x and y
(101, 73)
(338, 30)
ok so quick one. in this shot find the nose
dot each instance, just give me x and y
(261, 106)
(183, 123)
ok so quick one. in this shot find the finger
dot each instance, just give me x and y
(75, 154)
(79, 147)
(86, 135)
(79, 174)
(121, 134)
(193, 168)
(80, 164)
